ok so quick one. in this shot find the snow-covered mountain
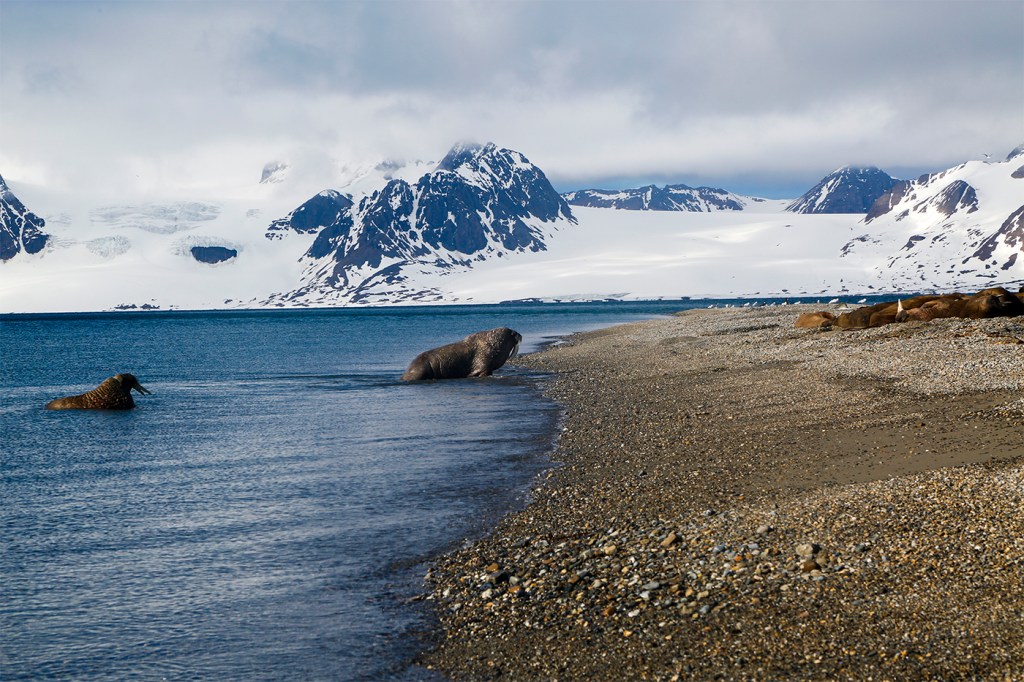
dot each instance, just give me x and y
(845, 190)
(480, 202)
(324, 209)
(667, 198)
(962, 228)
(21, 230)
(482, 226)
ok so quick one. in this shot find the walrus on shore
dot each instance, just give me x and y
(948, 305)
(113, 394)
(477, 355)
(993, 302)
(878, 314)
(822, 319)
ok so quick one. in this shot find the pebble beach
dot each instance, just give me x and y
(734, 498)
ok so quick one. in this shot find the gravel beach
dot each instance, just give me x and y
(734, 498)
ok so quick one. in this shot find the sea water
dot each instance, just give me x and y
(268, 511)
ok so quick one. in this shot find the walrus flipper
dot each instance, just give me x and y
(113, 394)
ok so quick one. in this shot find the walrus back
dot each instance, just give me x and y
(446, 362)
(110, 395)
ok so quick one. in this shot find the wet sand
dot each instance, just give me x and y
(739, 499)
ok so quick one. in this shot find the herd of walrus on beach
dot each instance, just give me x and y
(480, 354)
(992, 302)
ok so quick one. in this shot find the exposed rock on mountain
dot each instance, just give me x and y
(960, 227)
(326, 208)
(213, 254)
(845, 190)
(479, 202)
(667, 198)
(20, 229)
(274, 172)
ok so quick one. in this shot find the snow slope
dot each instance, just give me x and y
(657, 254)
(957, 229)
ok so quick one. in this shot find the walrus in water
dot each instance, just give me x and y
(477, 355)
(113, 394)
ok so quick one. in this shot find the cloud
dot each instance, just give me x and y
(763, 92)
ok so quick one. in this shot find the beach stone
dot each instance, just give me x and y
(807, 549)
(763, 530)
(670, 540)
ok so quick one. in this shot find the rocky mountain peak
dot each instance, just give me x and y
(21, 230)
(848, 189)
(480, 201)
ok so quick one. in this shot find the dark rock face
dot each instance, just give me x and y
(213, 254)
(888, 201)
(20, 229)
(847, 190)
(955, 197)
(479, 201)
(1011, 233)
(320, 211)
(653, 198)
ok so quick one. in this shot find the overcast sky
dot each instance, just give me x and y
(759, 97)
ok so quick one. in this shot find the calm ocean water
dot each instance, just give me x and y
(266, 511)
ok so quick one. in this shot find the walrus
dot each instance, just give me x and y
(113, 394)
(822, 319)
(948, 305)
(879, 314)
(993, 302)
(477, 355)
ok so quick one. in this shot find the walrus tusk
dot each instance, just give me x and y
(901, 314)
(515, 351)
(142, 389)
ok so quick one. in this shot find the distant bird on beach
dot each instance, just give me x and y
(113, 394)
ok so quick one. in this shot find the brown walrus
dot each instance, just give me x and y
(822, 319)
(994, 302)
(878, 314)
(949, 305)
(477, 355)
(113, 394)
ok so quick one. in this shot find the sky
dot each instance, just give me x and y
(762, 97)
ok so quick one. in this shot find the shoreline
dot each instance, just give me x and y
(734, 497)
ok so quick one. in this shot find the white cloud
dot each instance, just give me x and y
(763, 92)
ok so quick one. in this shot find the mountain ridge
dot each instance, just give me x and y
(21, 230)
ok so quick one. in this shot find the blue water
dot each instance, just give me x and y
(267, 510)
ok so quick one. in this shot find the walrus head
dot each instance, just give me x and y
(129, 382)
(515, 349)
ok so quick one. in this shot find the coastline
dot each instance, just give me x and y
(742, 499)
